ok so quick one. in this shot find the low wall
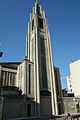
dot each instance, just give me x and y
(33, 118)
(60, 117)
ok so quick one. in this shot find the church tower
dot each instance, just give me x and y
(39, 52)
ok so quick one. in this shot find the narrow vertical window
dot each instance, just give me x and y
(40, 22)
(28, 110)
(8, 82)
(38, 9)
(32, 24)
(59, 108)
(6, 78)
(10, 79)
(29, 79)
(3, 76)
(14, 79)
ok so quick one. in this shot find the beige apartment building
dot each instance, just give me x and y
(69, 84)
(74, 78)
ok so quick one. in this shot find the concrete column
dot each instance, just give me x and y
(28, 42)
(51, 79)
(0, 76)
(35, 77)
(25, 77)
(53, 84)
(37, 73)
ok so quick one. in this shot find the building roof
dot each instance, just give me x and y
(10, 64)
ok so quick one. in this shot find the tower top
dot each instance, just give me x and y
(36, 0)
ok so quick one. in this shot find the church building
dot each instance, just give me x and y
(36, 76)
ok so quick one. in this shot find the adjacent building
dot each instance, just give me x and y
(74, 79)
(71, 96)
(59, 91)
(69, 84)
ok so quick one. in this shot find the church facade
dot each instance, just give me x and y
(36, 75)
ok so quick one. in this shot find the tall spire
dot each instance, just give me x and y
(36, 0)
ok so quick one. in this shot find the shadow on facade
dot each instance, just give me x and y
(43, 64)
(19, 107)
(14, 105)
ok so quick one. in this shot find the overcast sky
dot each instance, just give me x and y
(64, 24)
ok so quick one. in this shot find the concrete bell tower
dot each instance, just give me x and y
(39, 52)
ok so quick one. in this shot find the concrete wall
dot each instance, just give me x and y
(69, 105)
(45, 106)
(1, 107)
(14, 108)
